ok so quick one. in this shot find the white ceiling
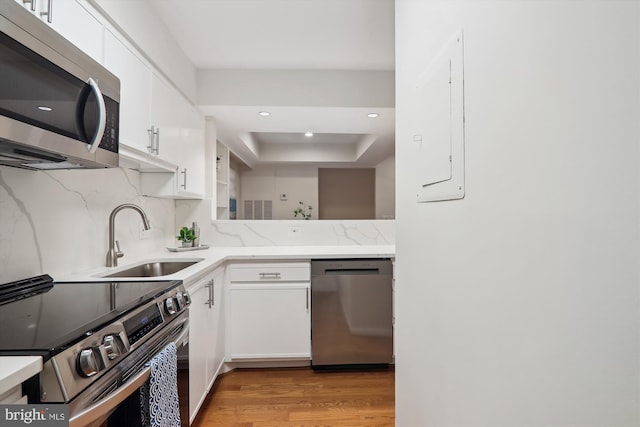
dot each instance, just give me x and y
(291, 35)
(302, 138)
(283, 34)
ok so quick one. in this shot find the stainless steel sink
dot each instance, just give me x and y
(153, 269)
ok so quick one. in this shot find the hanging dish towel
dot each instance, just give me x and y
(159, 395)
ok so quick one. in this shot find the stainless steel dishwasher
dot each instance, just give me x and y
(351, 313)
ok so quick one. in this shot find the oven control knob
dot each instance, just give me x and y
(88, 364)
(112, 346)
(181, 301)
(187, 297)
(170, 306)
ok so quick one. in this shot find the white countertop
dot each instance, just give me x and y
(214, 256)
(16, 369)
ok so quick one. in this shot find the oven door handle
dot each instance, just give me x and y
(104, 406)
(184, 335)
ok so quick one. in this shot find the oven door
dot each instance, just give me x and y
(95, 404)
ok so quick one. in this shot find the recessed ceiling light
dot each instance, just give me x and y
(44, 108)
(308, 134)
(373, 115)
(264, 113)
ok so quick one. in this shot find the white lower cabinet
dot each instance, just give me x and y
(247, 312)
(269, 311)
(206, 337)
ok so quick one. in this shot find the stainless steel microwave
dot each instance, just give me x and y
(59, 109)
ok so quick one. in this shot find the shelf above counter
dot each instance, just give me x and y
(133, 158)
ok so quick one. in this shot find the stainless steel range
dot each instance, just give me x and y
(95, 337)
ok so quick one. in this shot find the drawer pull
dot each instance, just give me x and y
(269, 275)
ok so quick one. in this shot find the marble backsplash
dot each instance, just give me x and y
(56, 222)
(282, 232)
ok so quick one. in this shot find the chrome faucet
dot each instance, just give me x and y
(113, 254)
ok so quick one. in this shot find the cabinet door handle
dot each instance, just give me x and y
(48, 13)
(210, 302)
(150, 146)
(307, 298)
(153, 140)
(33, 4)
(211, 289)
(269, 275)
(157, 134)
(184, 180)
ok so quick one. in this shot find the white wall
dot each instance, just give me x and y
(285, 232)
(518, 305)
(56, 222)
(299, 183)
(386, 188)
(329, 88)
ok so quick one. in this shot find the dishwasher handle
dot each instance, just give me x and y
(350, 271)
(353, 266)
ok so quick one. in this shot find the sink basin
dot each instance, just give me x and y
(153, 269)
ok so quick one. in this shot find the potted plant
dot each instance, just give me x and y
(186, 236)
(303, 210)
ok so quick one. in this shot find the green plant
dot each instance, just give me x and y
(186, 235)
(303, 210)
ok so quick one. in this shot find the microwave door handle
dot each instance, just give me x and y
(102, 116)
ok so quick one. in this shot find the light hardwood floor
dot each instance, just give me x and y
(300, 397)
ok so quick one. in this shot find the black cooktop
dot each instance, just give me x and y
(57, 316)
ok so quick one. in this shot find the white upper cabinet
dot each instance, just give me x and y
(135, 92)
(178, 137)
(193, 154)
(167, 117)
(161, 132)
(73, 20)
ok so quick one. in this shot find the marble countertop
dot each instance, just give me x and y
(215, 256)
(16, 369)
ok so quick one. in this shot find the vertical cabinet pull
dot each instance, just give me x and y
(157, 145)
(154, 140)
(307, 298)
(150, 146)
(33, 4)
(210, 302)
(184, 179)
(48, 13)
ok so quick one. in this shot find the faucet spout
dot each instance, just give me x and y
(113, 254)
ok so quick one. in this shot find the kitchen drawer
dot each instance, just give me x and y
(269, 272)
